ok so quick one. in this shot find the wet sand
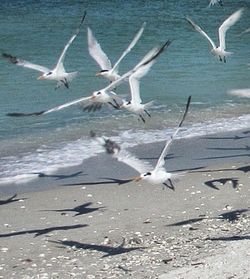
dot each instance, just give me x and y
(87, 224)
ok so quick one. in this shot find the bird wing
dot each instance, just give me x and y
(132, 161)
(201, 31)
(75, 102)
(59, 65)
(134, 82)
(97, 53)
(147, 59)
(129, 48)
(231, 20)
(124, 156)
(161, 161)
(24, 63)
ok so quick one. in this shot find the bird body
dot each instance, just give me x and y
(154, 175)
(58, 73)
(107, 70)
(219, 51)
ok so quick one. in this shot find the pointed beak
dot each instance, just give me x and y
(93, 97)
(98, 74)
(137, 178)
(40, 77)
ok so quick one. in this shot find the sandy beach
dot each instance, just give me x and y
(85, 222)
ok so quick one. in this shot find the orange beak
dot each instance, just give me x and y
(137, 178)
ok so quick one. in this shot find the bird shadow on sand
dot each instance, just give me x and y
(244, 169)
(108, 180)
(108, 250)
(222, 181)
(229, 238)
(58, 176)
(10, 200)
(231, 216)
(80, 209)
(39, 232)
(236, 137)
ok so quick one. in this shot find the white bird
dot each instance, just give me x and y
(213, 2)
(135, 104)
(154, 175)
(95, 50)
(58, 73)
(220, 50)
(105, 95)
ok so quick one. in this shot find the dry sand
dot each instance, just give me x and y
(82, 229)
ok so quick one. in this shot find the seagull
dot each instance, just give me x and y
(95, 50)
(154, 175)
(213, 2)
(58, 73)
(220, 50)
(135, 105)
(105, 95)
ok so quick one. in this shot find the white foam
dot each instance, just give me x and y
(47, 159)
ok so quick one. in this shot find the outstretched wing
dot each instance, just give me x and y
(201, 31)
(147, 59)
(24, 63)
(75, 102)
(97, 53)
(129, 48)
(59, 65)
(161, 161)
(124, 156)
(226, 25)
(134, 82)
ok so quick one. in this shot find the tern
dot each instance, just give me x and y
(95, 50)
(135, 105)
(220, 50)
(213, 2)
(58, 73)
(105, 95)
(154, 175)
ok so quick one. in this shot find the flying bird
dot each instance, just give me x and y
(135, 104)
(213, 2)
(154, 175)
(105, 95)
(219, 51)
(107, 70)
(58, 73)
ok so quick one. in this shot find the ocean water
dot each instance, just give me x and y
(37, 31)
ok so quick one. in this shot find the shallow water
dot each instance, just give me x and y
(38, 30)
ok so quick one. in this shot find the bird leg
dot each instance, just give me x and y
(148, 114)
(65, 82)
(170, 185)
(142, 118)
(116, 106)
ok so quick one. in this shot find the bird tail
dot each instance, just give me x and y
(71, 76)
(149, 104)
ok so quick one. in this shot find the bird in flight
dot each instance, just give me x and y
(135, 104)
(154, 175)
(107, 70)
(219, 51)
(214, 2)
(58, 73)
(105, 95)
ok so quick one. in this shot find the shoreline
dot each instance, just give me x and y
(185, 154)
(99, 229)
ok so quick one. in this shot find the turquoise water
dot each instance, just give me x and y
(38, 30)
